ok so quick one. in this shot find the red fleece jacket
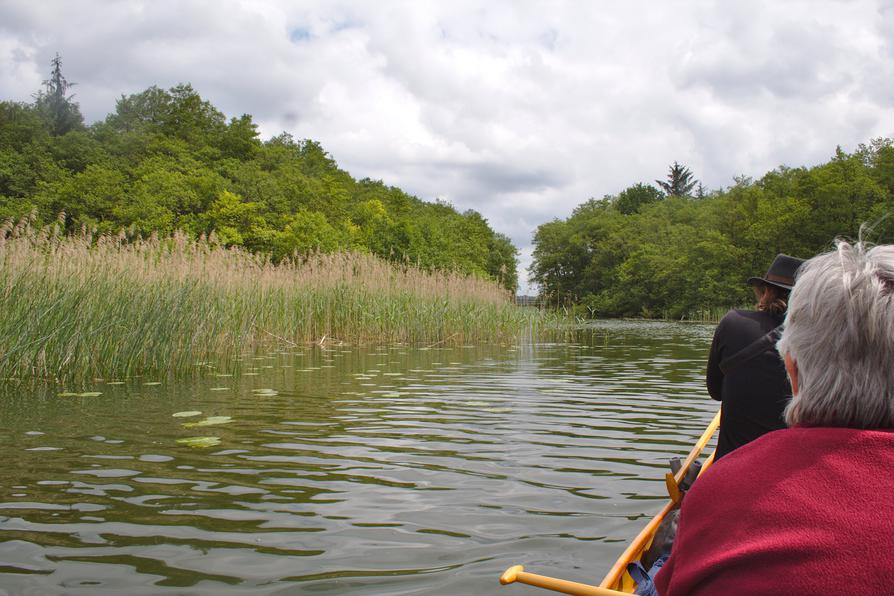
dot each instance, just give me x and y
(797, 511)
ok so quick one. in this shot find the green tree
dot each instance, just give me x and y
(679, 183)
(308, 232)
(633, 198)
(54, 103)
(20, 125)
(502, 261)
(90, 198)
(558, 259)
(233, 220)
(373, 227)
(239, 140)
(180, 113)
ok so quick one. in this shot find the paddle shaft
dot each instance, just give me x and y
(698, 447)
(518, 574)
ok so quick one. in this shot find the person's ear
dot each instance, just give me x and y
(791, 367)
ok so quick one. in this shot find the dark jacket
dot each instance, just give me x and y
(754, 393)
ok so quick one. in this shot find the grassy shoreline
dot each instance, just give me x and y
(74, 308)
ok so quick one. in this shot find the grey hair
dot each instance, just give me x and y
(839, 329)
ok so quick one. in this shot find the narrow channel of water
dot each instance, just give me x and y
(386, 470)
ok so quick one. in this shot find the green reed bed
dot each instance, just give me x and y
(78, 307)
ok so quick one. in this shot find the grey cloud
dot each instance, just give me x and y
(795, 62)
(21, 17)
(507, 178)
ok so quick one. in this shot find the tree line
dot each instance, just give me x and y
(168, 160)
(673, 250)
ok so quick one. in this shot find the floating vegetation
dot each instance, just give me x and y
(199, 442)
(209, 421)
(84, 394)
(265, 392)
(186, 414)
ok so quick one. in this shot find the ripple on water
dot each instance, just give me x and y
(354, 471)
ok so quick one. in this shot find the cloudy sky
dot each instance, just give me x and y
(518, 109)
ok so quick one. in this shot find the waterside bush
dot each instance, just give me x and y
(77, 307)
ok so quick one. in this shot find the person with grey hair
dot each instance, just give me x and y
(859, 394)
(809, 509)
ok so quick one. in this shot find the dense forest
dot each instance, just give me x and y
(674, 250)
(168, 160)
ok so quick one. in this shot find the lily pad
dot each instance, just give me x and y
(209, 421)
(198, 442)
(186, 414)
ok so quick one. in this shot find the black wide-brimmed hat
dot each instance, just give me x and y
(781, 272)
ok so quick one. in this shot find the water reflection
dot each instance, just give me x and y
(388, 470)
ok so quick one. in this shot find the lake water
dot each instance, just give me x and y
(345, 470)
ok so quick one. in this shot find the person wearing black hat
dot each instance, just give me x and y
(745, 372)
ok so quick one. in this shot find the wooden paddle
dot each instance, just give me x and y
(517, 573)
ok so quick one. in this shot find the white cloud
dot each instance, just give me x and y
(520, 110)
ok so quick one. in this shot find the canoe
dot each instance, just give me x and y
(617, 580)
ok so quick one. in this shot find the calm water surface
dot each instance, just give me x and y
(383, 470)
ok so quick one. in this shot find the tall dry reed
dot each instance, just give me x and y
(78, 307)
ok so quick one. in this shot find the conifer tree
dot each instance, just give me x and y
(58, 109)
(680, 181)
